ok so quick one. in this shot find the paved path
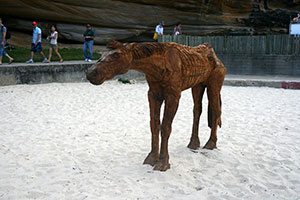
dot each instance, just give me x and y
(286, 82)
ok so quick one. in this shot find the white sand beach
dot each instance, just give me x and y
(79, 141)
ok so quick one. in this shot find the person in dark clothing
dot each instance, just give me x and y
(88, 36)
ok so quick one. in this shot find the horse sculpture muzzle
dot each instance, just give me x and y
(93, 76)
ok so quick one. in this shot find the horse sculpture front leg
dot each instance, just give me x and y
(171, 105)
(155, 102)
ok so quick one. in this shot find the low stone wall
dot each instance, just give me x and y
(48, 73)
(42, 73)
(279, 65)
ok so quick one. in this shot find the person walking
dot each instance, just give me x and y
(53, 44)
(36, 45)
(159, 31)
(3, 31)
(88, 36)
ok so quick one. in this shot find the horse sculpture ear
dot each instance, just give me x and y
(114, 45)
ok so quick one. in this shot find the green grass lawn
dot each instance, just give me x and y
(23, 54)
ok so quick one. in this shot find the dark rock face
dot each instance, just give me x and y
(135, 20)
(269, 21)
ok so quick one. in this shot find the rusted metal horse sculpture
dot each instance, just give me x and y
(169, 68)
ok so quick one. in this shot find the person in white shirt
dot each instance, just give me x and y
(159, 31)
(53, 44)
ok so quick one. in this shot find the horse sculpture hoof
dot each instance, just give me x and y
(194, 145)
(210, 145)
(151, 159)
(161, 166)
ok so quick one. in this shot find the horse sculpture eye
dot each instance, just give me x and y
(115, 55)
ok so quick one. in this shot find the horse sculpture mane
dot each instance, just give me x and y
(144, 50)
(170, 68)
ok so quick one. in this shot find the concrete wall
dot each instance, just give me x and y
(76, 72)
(43, 73)
(48, 73)
(280, 65)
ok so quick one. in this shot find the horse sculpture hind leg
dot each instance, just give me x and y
(197, 92)
(214, 106)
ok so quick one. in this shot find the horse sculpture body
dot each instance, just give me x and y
(169, 68)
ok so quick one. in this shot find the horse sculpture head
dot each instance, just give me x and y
(115, 62)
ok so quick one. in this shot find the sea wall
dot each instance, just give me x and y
(75, 71)
(39, 73)
(262, 65)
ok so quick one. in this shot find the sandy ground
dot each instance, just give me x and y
(79, 141)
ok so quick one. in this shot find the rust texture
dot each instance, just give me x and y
(169, 68)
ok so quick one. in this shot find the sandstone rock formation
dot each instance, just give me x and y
(134, 20)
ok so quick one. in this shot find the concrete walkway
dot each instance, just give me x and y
(286, 82)
(67, 69)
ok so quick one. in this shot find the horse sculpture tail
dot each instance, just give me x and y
(220, 121)
(215, 83)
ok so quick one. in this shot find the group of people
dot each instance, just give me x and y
(89, 35)
(159, 30)
(36, 45)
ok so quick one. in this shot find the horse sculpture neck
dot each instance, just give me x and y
(153, 70)
(148, 58)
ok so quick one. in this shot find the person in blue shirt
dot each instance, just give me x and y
(3, 32)
(36, 45)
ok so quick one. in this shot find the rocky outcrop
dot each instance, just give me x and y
(134, 20)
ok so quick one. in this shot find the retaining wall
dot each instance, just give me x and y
(76, 72)
(262, 65)
(48, 73)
